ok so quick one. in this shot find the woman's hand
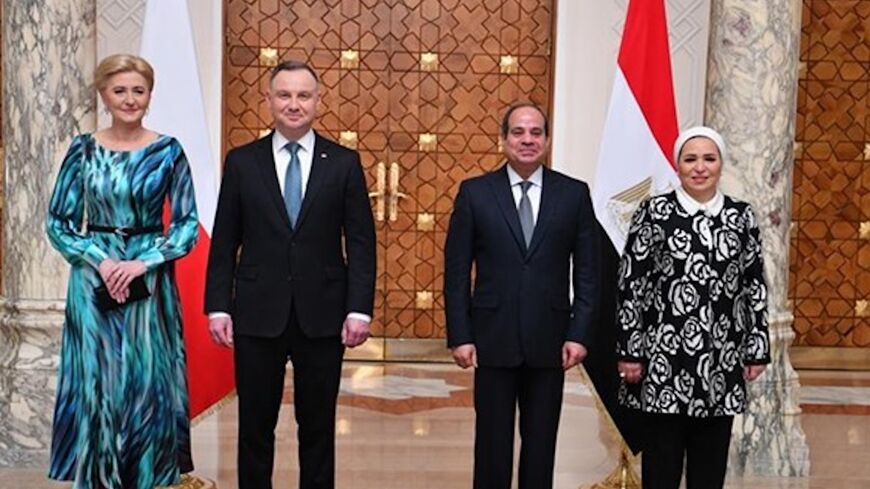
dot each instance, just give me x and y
(630, 372)
(119, 278)
(752, 372)
(107, 269)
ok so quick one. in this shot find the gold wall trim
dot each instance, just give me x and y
(428, 61)
(427, 142)
(349, 59)
(425, 222)
(268, 56)
(349, 139)
(830, 358)
(508, 64)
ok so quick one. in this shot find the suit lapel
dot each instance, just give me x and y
(550, 193)
(266, 164)
(501, 186)
(315, 178)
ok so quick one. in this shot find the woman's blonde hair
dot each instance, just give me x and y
(122, 63)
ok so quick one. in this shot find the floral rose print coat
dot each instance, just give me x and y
(692, 307)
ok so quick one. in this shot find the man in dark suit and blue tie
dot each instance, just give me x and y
(524, 234)
(291, 273)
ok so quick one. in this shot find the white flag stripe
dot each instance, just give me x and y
(629, 154)
(177, 106)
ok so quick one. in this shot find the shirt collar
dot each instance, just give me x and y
(306, 142)
(692, 206)
(537, 178)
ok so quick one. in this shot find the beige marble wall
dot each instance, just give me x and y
(48, 61)
(751, 99)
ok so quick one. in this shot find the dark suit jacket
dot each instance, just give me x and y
(259, 268)
(519, 311)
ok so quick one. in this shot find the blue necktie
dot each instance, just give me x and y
(293, 184)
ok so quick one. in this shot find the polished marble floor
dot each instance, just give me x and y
(410, 426)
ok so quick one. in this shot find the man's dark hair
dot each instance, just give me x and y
(505, 121)
(292, 65)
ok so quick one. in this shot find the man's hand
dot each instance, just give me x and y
(355, 332)
(630, 372)
(752, 372)
(572, 354)
(221, 330)
(465, 355)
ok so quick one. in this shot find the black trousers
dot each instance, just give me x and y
(702, 441)
(497, 392)
(260, 368)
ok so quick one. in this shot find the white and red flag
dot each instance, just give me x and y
(635, 156)
(177, 108)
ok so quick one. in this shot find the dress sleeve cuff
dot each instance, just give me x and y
(151, 258)
(94, 255)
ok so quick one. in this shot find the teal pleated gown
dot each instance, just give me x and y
(121, 416)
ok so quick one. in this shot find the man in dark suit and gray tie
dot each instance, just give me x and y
(291, 273)
(528, 234)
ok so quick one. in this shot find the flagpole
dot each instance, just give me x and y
(623, 476)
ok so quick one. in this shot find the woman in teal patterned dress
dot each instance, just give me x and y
(121, 416)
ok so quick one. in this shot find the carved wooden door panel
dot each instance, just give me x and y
(418, 87)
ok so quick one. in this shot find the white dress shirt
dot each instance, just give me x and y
(534, 192)
(282, 157)
(282, 161)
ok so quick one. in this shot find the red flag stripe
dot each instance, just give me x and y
(648, 71)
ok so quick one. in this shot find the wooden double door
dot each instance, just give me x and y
(419, 88)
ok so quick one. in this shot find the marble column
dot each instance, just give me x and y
(48, 61)
(752, 99)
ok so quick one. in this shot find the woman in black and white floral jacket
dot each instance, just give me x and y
(692, 318)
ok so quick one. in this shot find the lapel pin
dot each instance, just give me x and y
(323, 155)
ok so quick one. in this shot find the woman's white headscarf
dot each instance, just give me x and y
(699, 131)
(712, 207)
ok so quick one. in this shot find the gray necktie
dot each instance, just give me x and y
(293, 184)
(527, 219)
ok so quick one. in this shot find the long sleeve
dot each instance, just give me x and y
(756, 344)
(635, 269)
(66, 210)
(585, 274)
(458, 258)
(183, 223)
(225, 241)
(360, 242)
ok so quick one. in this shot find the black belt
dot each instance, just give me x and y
(126, 232)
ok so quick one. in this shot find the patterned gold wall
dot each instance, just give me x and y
(830, 247)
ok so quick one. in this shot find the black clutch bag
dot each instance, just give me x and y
(138, 291)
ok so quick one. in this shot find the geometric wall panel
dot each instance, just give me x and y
(830, 259)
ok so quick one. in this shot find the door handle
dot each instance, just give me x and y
(380, 193)
(395, 194)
